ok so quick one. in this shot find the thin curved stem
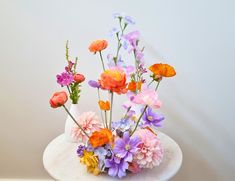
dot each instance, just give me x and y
(101, 57)
(75, 121)
(111, 110)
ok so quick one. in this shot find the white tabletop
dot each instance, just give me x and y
(62, 163)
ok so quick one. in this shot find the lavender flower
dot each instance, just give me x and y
(129, 20)
(101, 152)
(113, 31)
(94, 84)
(111, 63)
(132, 38)
(64, 79)
(127, 146)
(122, 125)
(116, 166)
(151, 118)
(80, 150)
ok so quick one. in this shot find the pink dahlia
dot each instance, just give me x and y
(150, 152)
(147, 97)
(90, 122)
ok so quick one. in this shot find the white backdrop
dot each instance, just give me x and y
(196, 37)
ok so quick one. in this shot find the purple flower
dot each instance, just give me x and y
(94, 84)
(101, 152)
(122, 125)
(113, 31)
(111, 63)
(132, 38)
(151, 118)
(117, 166)
(127, 146)
(129, 20)
(64, 79)
(80, 150)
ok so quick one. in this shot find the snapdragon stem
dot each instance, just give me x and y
(101, 57)
(68, 89)
(111, 111)
(75, 121)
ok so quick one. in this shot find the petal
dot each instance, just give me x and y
(113, 171)
(121, 173)
(128, 157)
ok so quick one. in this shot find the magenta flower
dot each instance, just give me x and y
(64, 79)
(132, 38)
(117, 166)
(126, 147)
(152, 119)
(147, 97)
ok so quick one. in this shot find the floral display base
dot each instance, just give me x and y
(61, 162)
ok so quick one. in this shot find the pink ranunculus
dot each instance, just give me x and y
(147, 97)
(58, 99)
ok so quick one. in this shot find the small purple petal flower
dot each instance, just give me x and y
(126, 145)
(113, 31)
(64, 79)
(129, 70)
(151, 118)
(116, 166)
(129, 20)
(132, 38)
(94, 84)
(80, 150)
(122, 125)
(101, 152)
(118, 15)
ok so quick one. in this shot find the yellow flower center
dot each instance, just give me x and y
(150, 118)
(127, 147)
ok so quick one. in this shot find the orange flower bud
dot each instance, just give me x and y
(104, 105)
(134, 86)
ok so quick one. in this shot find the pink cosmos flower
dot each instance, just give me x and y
(147, 97)
(150, 152)
(90, 122)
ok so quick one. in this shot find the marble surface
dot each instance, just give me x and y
(61, 162)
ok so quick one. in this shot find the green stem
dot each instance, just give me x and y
(67, 50)
(68, 89)
(106, 120)
(75, 121)
(111, 111)
(127, 112)
(100, 109)
(157, 85)
(137, 124)
(101, 57)
(150, 82)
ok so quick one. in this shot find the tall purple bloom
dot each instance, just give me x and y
(127, 146)
(132, 38)
(64, 79)
(150, 118)
(117, 166)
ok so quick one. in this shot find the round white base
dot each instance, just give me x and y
(62, 163)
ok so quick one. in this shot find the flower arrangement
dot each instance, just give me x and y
(129, 144)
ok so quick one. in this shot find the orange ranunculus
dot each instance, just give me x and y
(98, 45)
(162, 70)
(134, 86)
(100, 138)
(114, 80)
(104, 105)
(58, 99)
